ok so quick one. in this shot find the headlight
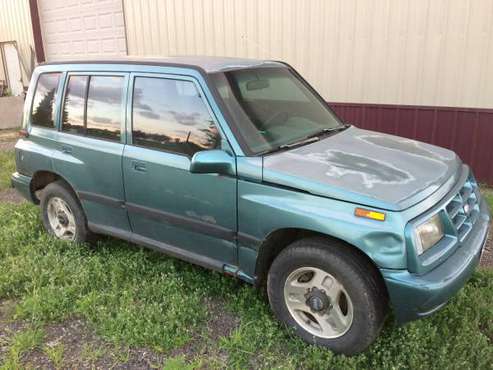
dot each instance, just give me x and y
(429, 233)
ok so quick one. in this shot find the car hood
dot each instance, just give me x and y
(365, 167)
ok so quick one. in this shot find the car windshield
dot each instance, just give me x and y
(273, 108)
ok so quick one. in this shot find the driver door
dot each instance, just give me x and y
(196, 213)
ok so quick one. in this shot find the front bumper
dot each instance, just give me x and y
(22, 184)
(414, 296)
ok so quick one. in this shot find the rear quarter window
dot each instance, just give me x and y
(43, 108)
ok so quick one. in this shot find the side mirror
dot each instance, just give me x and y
(213, 161)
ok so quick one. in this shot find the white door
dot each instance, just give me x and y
(78, 29)
(13, 69)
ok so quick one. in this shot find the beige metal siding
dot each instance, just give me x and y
(424, 52)
(15, 25)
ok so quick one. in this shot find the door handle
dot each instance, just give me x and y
(66, 149)
(139, 166)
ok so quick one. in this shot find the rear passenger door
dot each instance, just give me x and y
(165, 202)
(91, 142)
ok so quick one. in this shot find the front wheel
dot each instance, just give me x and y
(328, 294)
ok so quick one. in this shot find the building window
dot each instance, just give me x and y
(170, 115)
(43, 108)
(93, 106)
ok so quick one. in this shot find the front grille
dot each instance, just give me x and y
(463, 209)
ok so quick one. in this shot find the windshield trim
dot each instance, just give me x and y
(233, 125)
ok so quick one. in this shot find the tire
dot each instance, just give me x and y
(52, 196)
(345, 317)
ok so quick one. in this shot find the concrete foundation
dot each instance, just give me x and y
(11, 112)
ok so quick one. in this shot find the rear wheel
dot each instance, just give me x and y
(328, 294)
(62, 214)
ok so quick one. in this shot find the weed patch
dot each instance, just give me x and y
(7, 167)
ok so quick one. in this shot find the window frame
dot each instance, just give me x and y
(175, 77)
(89, 74)
(55, 103)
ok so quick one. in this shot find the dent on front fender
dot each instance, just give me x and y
(263, 209)
(385, 249)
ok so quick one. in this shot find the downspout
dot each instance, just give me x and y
(36, 26)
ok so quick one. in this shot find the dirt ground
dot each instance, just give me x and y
(10, 196)
(81, 348)
(8, 139)
(487, 257)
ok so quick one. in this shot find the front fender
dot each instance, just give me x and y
(263, 209)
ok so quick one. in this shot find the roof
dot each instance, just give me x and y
(209, 64)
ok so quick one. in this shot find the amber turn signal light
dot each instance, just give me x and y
(372, 215)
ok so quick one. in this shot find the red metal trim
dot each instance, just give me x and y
(434, 107)
(36, 25)
(467, 131)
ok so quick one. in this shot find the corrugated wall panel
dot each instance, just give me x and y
(15, 25)
(418, 52)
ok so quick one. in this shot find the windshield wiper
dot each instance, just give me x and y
(327, 131)
(307, 139)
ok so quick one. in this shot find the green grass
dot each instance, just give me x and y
(91, 353)
(134, 297)
(20, 344)
(55, 354)
(7, 167)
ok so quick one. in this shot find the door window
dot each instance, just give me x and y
(43, 108)
(73, 119)
(104, 107)
(93, 106)
(170, 115)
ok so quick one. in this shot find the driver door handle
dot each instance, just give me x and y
(66, 149)
(139, 166)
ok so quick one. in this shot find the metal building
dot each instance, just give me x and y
(417, 68)
(16, 45)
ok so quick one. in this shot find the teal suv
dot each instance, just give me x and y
(240, 166)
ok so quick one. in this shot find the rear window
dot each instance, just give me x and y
(43, 108)
(93, 106)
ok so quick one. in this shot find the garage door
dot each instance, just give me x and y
(82, 28)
